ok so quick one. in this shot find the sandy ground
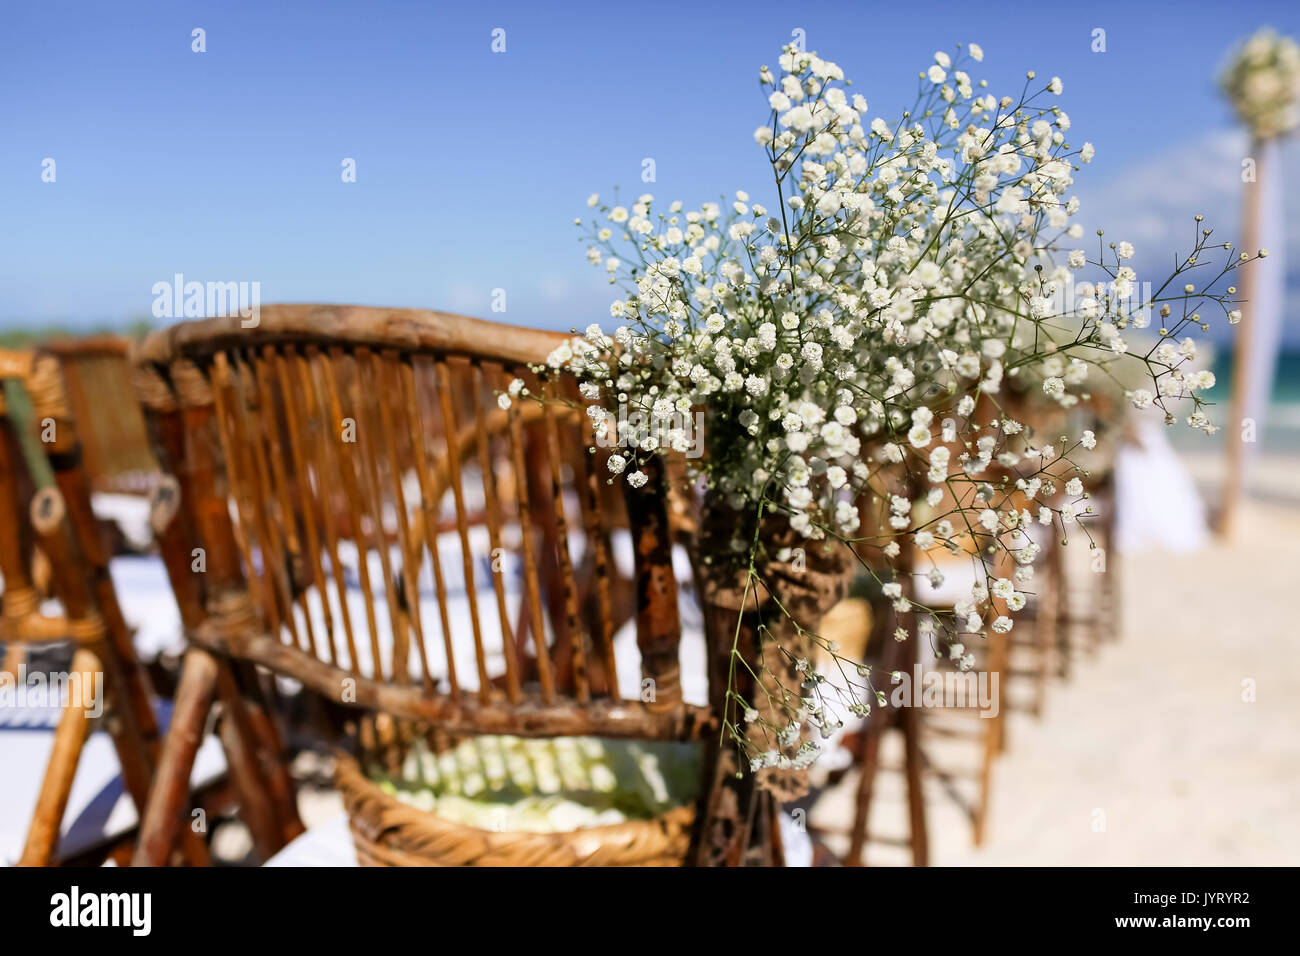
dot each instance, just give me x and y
(1152, 751)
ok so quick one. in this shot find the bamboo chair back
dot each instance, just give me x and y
(375, 525)
(97, 382)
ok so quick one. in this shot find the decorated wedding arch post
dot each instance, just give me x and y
(1262, 81)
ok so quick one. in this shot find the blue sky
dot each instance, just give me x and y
(471, 165)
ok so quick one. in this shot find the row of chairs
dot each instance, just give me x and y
(324, 475)
(338, 498)
(1073, 607)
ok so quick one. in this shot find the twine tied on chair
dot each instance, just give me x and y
(191, 386)
(796, 581)
(188, 387)
(231, 616)
(152, 389)
(22, 621)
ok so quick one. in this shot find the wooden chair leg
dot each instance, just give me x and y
(249, 766)
(119, 720)
(69, 739)
(1002, 738)
(137, 758)
(866, 784)
(1096, 624)
(271, 751)
(1111, 580)
(772, 845)
(254, 807)
(1064, 626)
(910, 724)
(1113, 598)
(986, 781)
(169, 796)
(1045, 623)
(994, 736)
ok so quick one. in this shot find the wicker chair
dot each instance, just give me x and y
(45, 504)
(332, 442)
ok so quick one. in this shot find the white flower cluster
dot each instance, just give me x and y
(859, 338)
(1263, 82)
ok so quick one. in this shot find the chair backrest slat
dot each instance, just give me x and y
(429, 518)
(303, 490)
(253, 425)
(487, 470)
(450, 430)
(327, 364)
(381, 368)
(578, 666)
(236, 468)
(330, 478)
(366, 439)
(532, 586)
(287, 527)
(587, 481)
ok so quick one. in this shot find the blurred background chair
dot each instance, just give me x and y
(97, 383)
(1072, 604)
(45, 509)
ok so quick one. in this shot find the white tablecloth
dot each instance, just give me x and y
(326, 844)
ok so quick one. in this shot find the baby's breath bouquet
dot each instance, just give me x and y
(1263, 81)
(859, 343)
